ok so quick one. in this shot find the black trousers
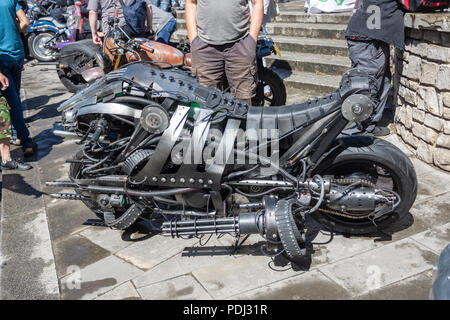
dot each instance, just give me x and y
(373, 57)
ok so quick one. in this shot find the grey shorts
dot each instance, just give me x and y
(237, 61)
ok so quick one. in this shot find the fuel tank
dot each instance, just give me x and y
(158, 52)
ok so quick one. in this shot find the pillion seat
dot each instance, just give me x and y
(289, 117)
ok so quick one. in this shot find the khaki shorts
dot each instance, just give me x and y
(236, 61)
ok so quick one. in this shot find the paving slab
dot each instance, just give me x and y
(66, 217)
(340, 248)
(180, 288)
(106, 238)
(436, 239)
(192, 258)
(97, 278)
(421, 167)
(21, 192)
(76, 251)
(153, 251)
(223, 280)
(414, 288)
(125, 291)
(432, 211)
(28, 267)
(432, 184)
(311, 285)
(380, 267)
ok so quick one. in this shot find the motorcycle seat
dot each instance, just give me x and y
(289, 117)
(57, 23)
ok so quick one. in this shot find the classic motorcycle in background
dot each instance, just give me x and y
(158, 147)
(52, 26)
(83, 62)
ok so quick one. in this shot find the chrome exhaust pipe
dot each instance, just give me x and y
(74, 136)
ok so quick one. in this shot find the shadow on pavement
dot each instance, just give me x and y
(40, 102)
(17, 184)
(45, 140)
(280, 262)
(46, 112)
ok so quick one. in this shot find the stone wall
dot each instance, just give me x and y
(422, 86)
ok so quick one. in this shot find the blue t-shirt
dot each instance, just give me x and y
(10, 42)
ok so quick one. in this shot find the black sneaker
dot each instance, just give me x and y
(15, 164)
(381, 131)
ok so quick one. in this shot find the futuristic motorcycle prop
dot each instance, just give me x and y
(159, 147)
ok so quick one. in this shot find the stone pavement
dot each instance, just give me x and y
(48, 251)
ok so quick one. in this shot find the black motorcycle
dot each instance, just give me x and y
(158, 147)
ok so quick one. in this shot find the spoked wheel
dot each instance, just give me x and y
(42, 46)
(380, 163)
(272, 88)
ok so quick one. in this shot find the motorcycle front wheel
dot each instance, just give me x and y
(380, 162)
(272, 88)
(40, 45)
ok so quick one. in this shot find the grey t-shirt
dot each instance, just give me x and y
(107, 8)
(160, 18)
(222, 21)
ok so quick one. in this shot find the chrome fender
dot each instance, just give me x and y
(110, 108)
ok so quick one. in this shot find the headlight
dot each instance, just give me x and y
(71, 22)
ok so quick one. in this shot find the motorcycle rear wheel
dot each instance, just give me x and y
(382, 163)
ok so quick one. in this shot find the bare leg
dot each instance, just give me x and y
(5, 149)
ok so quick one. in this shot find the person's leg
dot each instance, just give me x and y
(385, 83)
(5, 149)
(166, 32)
(240, 68)
(10, 70)
(207, 63)
(7, 162)
(182, 4)
(373, 57)
(5, 129)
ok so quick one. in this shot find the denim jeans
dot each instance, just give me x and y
(162, 4)
(166, 32)
(12, 69)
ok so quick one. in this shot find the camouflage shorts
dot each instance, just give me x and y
(5, 119)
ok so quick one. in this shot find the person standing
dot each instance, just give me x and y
(223, 39)
(12, 56)
(107, 8)
(163, 24)
(7, 163)
(84, 30)
(374, 25)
